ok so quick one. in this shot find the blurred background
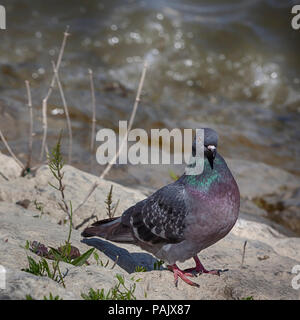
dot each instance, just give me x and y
(230, 65)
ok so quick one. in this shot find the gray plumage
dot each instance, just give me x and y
(183, 218)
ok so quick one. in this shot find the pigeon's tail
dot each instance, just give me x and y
(111, 229)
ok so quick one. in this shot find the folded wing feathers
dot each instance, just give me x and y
(110, 229)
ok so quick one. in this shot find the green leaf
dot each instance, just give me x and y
(46, 268)
(57, 255)
(83, 258)
(27, 245)
(96, 257)
(53, 186)
(173, 175)
(51, 297)
(120, 278)
(248, 298)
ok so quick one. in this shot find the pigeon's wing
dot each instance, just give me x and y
(159, 218)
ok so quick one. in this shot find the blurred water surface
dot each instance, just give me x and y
(231, 65)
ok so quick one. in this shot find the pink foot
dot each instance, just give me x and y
(199, 268)
(181, 274)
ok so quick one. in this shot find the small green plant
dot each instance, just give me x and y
(114, 293)
(173, 175)
(26, 246)
(127, 294)
(36, 268)
(247, 298)
(157, 264)
(110, 208)
(39, 206)
(51, 297)
(56, 164)
(66, 253)
(42, 268)
(96, 257)
(99, 261)
(140, 269)
(136, 280)
(108, 203)
(96, 295)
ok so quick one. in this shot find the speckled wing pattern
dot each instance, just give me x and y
(159, 218)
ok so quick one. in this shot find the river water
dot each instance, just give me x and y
(230, 65)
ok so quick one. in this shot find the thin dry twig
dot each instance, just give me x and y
(115, 208)
(28, 165)
(136, 103)
(3, 176)
(45, 100)
(93, 109)
(86, 220)
(115, 262)
(11, 152)
(108, 167)
(66, 111)
(244, 251)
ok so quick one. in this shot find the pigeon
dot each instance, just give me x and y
(183, 218)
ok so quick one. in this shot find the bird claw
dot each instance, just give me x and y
(215, 272)
(221, 271)
(191, 272)
(224, 270)
(183, 275)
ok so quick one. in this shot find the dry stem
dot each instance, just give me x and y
(3, 176)
(244, 251)
(11, 152)
(28, 165)
(108, 167)
(94, 110)
(45, 100)
(66, 111)
(136, 103)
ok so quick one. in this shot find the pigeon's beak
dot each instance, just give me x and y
(211, 155)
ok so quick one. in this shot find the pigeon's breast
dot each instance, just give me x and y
(212, 213)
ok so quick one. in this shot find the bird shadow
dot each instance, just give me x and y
(126, 260)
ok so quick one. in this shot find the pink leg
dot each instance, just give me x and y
(199, 268)
(181, 274)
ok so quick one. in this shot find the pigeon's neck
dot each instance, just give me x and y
(209, 176)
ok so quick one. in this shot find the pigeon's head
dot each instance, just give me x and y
(210, 144)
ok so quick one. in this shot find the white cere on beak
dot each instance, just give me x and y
(211, 148)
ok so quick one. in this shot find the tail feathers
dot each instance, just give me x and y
(111, 229)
